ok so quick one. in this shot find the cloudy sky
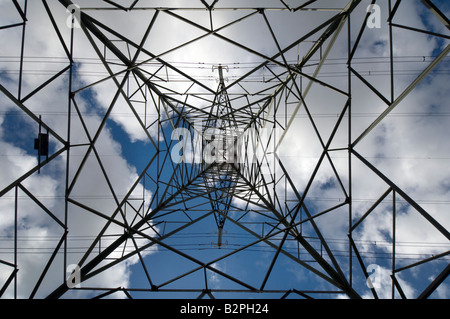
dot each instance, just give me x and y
(115, 176)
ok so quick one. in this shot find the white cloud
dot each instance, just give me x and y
(381, 281)
(214, 279)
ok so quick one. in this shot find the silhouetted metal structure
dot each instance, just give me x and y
(272, 208)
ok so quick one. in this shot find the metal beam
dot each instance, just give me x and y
(435, 284)
(404, 94)
(405, 196)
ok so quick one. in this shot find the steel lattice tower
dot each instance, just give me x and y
(241, 203)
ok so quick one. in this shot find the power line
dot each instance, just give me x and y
(259, 248)
(231, 235)
(232, 66)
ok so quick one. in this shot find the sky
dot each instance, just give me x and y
(409, 146)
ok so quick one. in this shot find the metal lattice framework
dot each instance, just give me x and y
(250, 102)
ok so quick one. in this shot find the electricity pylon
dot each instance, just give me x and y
(228, 174)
